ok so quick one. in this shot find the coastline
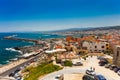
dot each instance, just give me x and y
(22, 50)
(16, 61)
(12, 64)
(16, 58)
(20, 60)
(19, 64)
(13, 49)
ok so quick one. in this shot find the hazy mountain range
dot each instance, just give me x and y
(89, 29)
(76, 29)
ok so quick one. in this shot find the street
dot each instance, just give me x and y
(6, 73)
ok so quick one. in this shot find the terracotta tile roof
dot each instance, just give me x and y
(58, 47)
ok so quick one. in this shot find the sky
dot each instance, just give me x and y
(45, 15)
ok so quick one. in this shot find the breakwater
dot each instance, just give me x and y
(23, 39)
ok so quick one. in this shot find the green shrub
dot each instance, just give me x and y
(36, 72)
(68, 63)
(27, 69)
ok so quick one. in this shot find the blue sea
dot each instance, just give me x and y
(7, 55)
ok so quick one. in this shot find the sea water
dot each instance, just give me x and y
(6, 46)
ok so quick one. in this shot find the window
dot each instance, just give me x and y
(102, 47)
(117, 53)
(95, 46)
(106, 44)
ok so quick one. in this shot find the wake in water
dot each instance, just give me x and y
(12, 49)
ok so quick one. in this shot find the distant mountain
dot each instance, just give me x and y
(89, 29)
(74, 29)
(71, 29)
(106, 28)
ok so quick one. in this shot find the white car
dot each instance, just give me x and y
(90, 72)
(118, 72)
(59, 77)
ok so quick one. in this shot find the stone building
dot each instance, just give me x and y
(100, 46)
(116, 56)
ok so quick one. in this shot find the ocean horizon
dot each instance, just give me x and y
(7, 53)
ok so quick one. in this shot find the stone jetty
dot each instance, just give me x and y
(23, 39)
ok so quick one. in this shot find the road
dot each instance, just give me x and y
(90, 62)
(6, 73)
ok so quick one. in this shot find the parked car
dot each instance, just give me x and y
(59, 77)
(88, 77)
(17, 76)
(100, 57)
(107, 65)
(21, 67)
(78, 64)
(32, 61)
(11, 74)
(104, 59)
(15, 73)
(99, 77)
(116, 69)
(118, 72)
(90, 72)
(17, 70)
(112, 67)
(103, 62)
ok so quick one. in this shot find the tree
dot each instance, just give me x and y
(68, 63)
(109, 52)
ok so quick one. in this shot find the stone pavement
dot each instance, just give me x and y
(73, 76)
(90, 62)
(109, 74)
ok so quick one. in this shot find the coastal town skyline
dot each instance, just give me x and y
(56, 15)
(59, 40)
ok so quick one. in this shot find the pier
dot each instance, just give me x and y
(23, 39)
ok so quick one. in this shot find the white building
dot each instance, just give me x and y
(100, 46)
